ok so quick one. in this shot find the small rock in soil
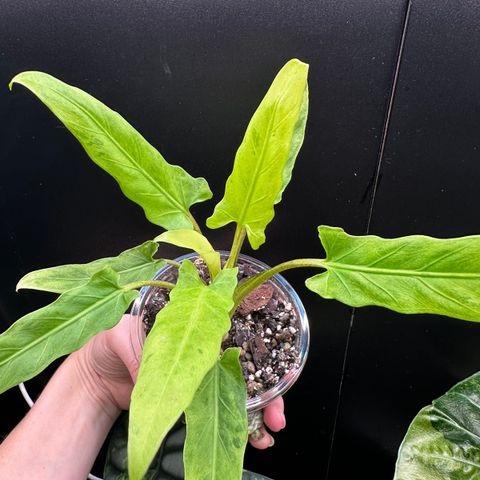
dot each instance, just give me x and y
(257, 299)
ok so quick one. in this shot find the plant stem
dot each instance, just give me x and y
(253, 282)
(236, 246)
(172, 262)
(194, 223)
(148, 283)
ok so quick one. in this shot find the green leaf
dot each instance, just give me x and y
(167, 465)
(181, 348)
(196, 242)
(131, 265)
(217, 423)
(40, 337)
(164, 191)
(415, 274)
(443, 441)
(265, 159)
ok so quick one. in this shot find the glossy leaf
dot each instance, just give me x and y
(196, 242)
(415, 274)
(181, 348)
(217, 423)
(265, 159)
(164, 191)
(443, 441)
(40, 337)
(131, 265)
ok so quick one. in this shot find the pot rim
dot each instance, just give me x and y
(303, 335)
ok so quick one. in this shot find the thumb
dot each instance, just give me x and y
(125, 343)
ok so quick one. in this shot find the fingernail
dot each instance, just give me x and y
(272, 442)
(284, 422)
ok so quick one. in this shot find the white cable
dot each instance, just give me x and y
(25, 394)
(93, 477)
(28, 399)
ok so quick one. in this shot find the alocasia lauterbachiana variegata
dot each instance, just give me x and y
(414, 274)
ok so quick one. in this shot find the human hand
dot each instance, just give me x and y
(274, 419)
(109, 364)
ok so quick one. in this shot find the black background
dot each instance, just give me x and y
(189, 75)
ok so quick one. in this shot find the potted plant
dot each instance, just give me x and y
(182, 353)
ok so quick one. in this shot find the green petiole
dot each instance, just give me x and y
(148, 283)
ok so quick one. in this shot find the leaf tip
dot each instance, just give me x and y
(12, 81)
(298, 64)
(16, 79)
(159, 238)
(22, 284)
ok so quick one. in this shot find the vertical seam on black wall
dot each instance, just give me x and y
(376, 177)
(388, 115)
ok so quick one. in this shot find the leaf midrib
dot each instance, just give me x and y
(181, 348)
(112, 139)
(57, 329)
(399, 272)
(451, 458)
(138, 267)
(447, 417)
(88, 273)
(258, 165)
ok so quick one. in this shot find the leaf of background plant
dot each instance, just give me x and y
(265, 159)
(165, 192)
(196, 242)
(40, 337)
(415, 274)
(217, 423)
(181, 348)
(131, 265)
(443, 441)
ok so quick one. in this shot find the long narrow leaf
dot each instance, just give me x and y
(40, 337)
(164, 191)
(443, 441)
(415, 274)
(131, 265)
(217, 423)
(181, 348)
(265, 159)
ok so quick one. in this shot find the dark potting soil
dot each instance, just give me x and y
(264, 326)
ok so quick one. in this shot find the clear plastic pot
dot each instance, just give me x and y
(278, 282)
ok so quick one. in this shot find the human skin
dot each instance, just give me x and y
(61, 435)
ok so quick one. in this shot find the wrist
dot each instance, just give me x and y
(73, 415)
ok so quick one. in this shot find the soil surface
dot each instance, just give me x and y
(264, 326)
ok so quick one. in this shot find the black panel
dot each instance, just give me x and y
(189, 75)
(430, 181)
